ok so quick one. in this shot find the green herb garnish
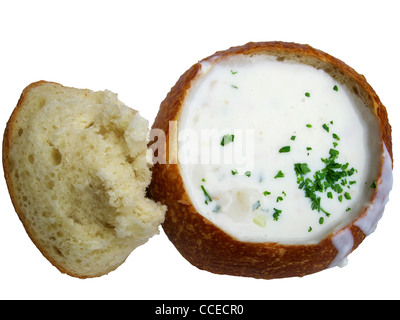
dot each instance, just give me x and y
(308, 125)
(307, 94)
(234, 172)
(325, 126)
(351, 171)
(247, 173)
(284, 149)
(335, 136)
(293, 138)
(266, 193)
(334, 153)
(227, 139)
(335, 88)
(276, 214)
(301, 168)
(280, 174)
(310, 186)
(208, 198)
(233, 72)
(373, 185)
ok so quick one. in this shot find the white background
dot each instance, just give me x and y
(139, 49)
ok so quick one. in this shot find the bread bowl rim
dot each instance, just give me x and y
(246, 258)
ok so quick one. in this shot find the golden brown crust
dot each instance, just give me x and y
(208, 247)
(7, 143)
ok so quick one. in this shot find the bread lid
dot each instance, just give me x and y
(75, 163)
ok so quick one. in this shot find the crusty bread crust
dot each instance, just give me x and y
(7, 142)
(208, 247)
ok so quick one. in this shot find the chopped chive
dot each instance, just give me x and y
(293, 138)
(333, 176)
(266, 193)
(233, 72)
(227, 139)
(308, 125)
(351, 172)
(233, 86)
(276, 214)
(373, 185)
(279, 198)
(347, 196)
(204, 180)
(284, 149)
(309, 229)
(337, 188)
(334, 153)
(335, 88)
(348, 209)
(307, 94)
(234, 172)
(321, 220)
(247, 173)
(280, 174)
(335, 136)
(301, 168)
(309, 148)
(325, 126)
(208, 198)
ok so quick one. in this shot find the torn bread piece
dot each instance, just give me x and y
(76, 169)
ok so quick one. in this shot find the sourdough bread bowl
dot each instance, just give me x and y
(76, 167)
(278, 161)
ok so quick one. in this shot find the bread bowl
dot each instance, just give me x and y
(314, 182)
(76, 167)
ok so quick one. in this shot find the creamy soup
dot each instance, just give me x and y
(276, 151)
